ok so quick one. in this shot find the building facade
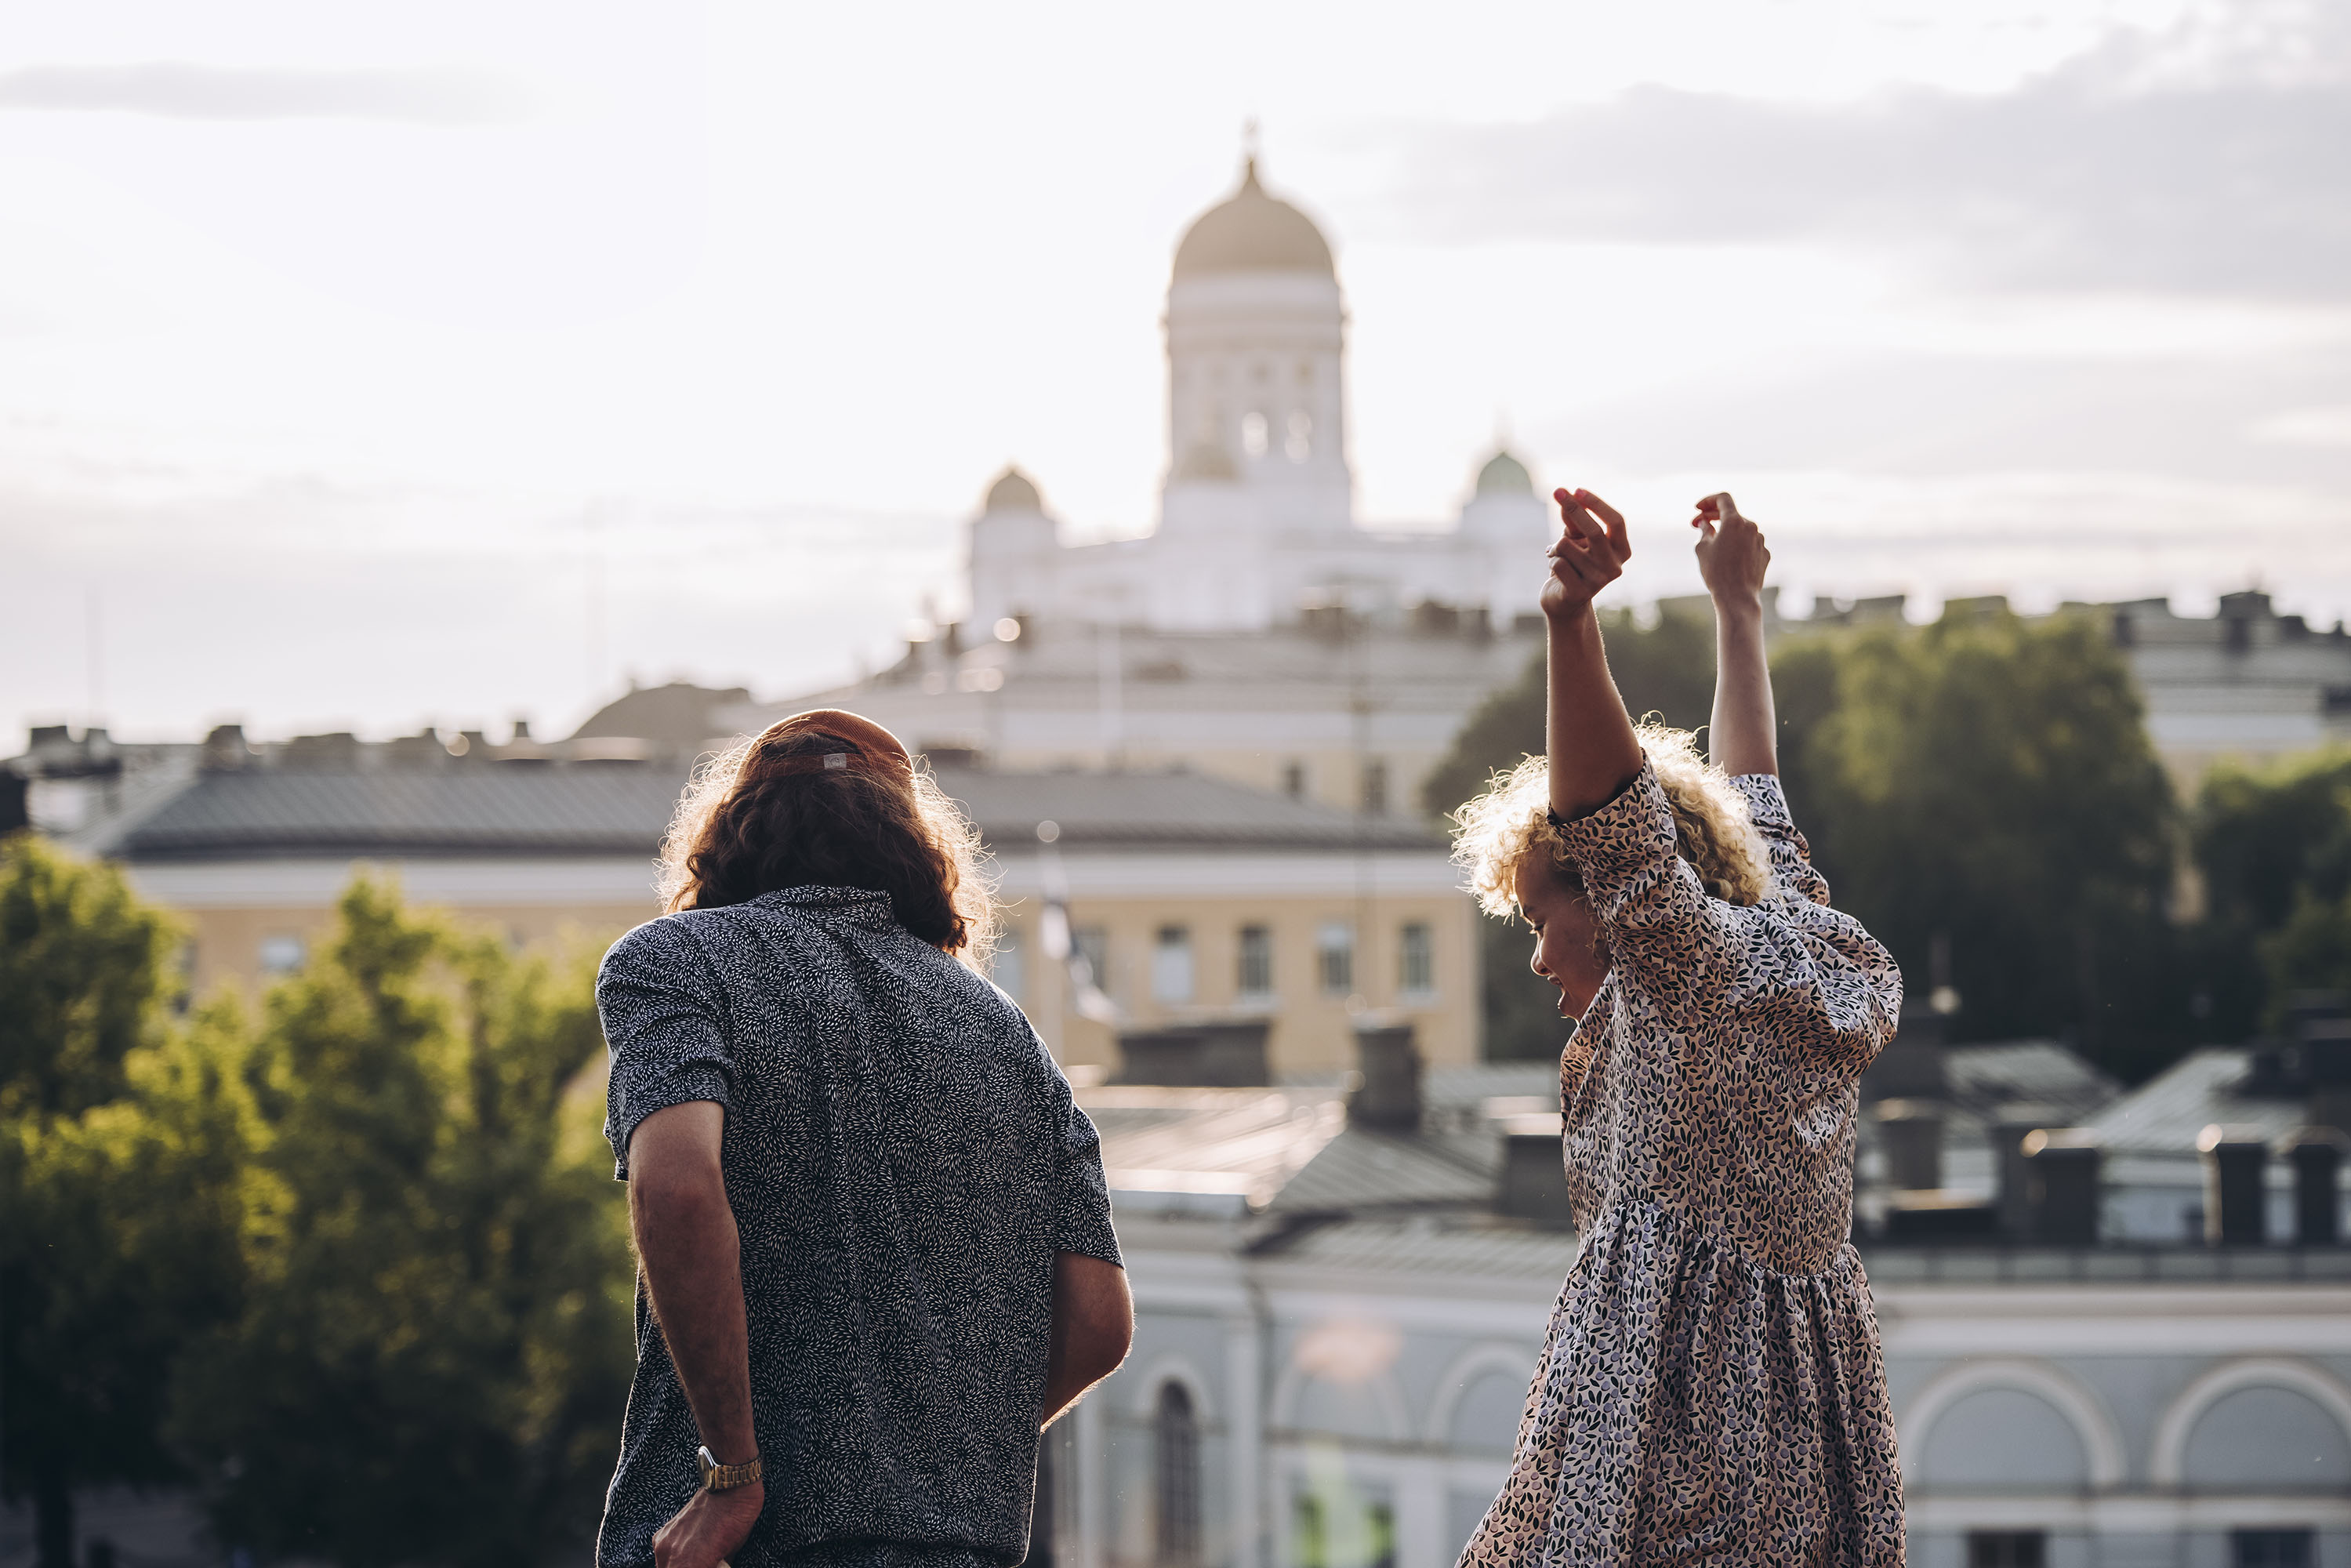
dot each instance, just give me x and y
(1337, 1322)
(1191, 899)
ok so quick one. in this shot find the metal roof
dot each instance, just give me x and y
(622, 808)
(493, 809)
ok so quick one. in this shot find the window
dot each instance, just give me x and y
(2005, 1548)
(1301, 445)
(1171, 964)
(1380, 1521)
(1334, 955)
(1253, 974)
(1253, 434)
(282, 953)
(1090, 946)
(1362, 1535)
(1041, 1507)
(2271, 1549)
(1177, 1433)
(1293, 780)
(1008, 966)
(1415, 960)
(1310, 1537)
(1376, 786)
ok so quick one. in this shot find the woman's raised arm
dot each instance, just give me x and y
(1732, 559)
(1589, 740)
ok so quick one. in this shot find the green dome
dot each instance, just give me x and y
(1505, 476)
(1252, 232)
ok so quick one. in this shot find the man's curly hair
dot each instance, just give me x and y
(757, 817)
(1508, 826)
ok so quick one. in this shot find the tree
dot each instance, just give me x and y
(83, 968)
(433, 1346)
(1667, 670)
(117, 1145)
(1984, 787)
(2274, 848)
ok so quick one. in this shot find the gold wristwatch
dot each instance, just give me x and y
(717, 1476)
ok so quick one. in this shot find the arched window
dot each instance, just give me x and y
(1178, 1433)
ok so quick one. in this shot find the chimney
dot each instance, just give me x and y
(2316, 1155)
(1532, 1183)
(2235, 1160)
(1388, 1099)
(224, 750)
(1911, 1065)
(2012, 1125)
(2062, 1185)
(1910, 1131)
(1196, 1056)
(2324, 1046)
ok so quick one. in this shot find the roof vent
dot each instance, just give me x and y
(1388, 1097)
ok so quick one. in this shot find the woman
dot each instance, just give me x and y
(875, 1238)
(1711, 1388)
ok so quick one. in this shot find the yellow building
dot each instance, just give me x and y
(1186, 899)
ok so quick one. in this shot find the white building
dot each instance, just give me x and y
(1257, 522)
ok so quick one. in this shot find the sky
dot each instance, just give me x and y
(370, 368)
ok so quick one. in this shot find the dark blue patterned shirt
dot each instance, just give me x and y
(904, 1160)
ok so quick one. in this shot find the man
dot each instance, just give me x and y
(874, 1235)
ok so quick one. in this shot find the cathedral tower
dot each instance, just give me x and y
(1257, 392)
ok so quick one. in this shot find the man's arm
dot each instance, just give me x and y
(1094, 1325)
(686, 1241)
(1732, 559)
(1590, 743)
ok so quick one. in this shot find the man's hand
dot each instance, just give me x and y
(711, 1525)
(1731, 555)
(1590, 554)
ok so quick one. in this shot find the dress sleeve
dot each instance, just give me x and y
(664, 1023)
(1081, 1217)
(1665, 936)
(1791, 857)
(1817, 983)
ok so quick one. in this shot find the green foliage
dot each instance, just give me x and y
(1667, 670)
(2273, 847)
(1984, 786)
(2310, 951)
(119, 1144)
(435, 1344)
(83, 965)
(1989, 781)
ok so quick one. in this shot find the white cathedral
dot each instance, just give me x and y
(1257, 519)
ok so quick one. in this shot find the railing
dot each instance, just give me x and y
(2116, 1264)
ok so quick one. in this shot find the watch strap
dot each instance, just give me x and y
(717, 1476)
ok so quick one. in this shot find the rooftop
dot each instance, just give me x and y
(335, 795)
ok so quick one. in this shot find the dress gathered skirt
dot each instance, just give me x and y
(1710, 1388)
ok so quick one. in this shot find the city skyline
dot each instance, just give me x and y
(451, 371)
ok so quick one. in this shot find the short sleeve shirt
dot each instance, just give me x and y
(903, 1159)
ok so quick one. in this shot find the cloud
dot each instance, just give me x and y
(176, 91)
(2121, 172)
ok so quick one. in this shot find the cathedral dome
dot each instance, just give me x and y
(1013, 492)
(1505, 476)
(1252, 232)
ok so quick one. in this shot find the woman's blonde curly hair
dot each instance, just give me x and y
(1509, 826)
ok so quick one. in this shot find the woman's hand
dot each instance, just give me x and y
(1590, 554)
(1731, 555)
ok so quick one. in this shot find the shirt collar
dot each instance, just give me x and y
(861, 905)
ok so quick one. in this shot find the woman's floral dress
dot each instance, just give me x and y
(1710, 1389)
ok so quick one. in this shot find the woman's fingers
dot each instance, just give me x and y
(1620, 541)
(1579, 522)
